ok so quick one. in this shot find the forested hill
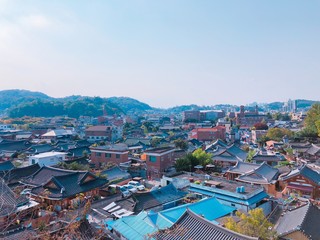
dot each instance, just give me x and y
(18, 103)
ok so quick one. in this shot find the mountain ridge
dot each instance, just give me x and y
(20, 102)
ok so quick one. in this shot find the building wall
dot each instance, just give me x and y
(303, 181)
(209, 134)
(47, 161)
(156, 163)
(191, 115)
(99, 135)
(100, 158)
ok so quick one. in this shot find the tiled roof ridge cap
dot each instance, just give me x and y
(202, 219)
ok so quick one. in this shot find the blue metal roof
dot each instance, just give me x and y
(139, 226)
(255, 199)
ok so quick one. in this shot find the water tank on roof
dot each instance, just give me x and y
(242, 189)
(238, 189)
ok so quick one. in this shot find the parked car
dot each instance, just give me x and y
(130, 188)
(137, 185)
(125, 192)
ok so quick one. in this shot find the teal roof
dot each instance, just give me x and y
(255, 199)
(139, 226)
(210, 209)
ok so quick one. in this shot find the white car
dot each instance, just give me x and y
(130, 188)
(137, 185)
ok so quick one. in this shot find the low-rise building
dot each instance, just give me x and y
(47, 158)
(301, 223)
(60, 188)
(304, 181)
(116, 154)
(158, 160)
(208, 134)
(99, 133)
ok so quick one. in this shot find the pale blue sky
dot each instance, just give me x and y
(165, 53)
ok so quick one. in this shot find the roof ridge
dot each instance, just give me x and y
(305, 216)
(194, 215)
(64, 170)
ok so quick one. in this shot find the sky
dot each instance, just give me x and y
(164, 53)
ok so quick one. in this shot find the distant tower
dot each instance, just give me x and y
(241, 109)
(257, 109)
(104, 110)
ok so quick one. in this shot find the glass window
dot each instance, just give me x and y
(117, 155)
(98, 154)
(152, 158)
(108, 155)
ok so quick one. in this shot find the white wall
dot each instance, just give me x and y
(47, 160)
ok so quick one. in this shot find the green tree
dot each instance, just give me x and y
(186, 163)
(253, 224)
(278, 133)
(183, 164)
(262, 140)
(250, 155)
(203, 157)
(313, 115)
(318, 127)
(155, 141)
(181, 144)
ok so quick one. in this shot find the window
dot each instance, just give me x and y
(117, 155)
(98, 154)
(152, 158)
(108, 155)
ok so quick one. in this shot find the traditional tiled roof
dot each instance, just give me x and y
(217, 143)
(238, 152)
(116, 173)
(192, 226)
(137, 141)
(304, 219)
(78, 151)
(243, 167)
(40, 148)
(305, 171)
(267, 158)
(5, 166)
(264, 174)
(8, 200)
(17, 174)
(14, 145)
(60, 184)
(313, 150)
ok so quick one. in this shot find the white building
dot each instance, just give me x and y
(6, 127)
(47, 158)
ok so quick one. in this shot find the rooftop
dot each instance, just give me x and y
(191, 226)
(113, 147)
(159, 150)
(304, 218)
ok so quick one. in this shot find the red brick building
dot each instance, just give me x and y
(158, 160)
(249, 118)
(99, 133)
(116, 154)
(208, 134)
